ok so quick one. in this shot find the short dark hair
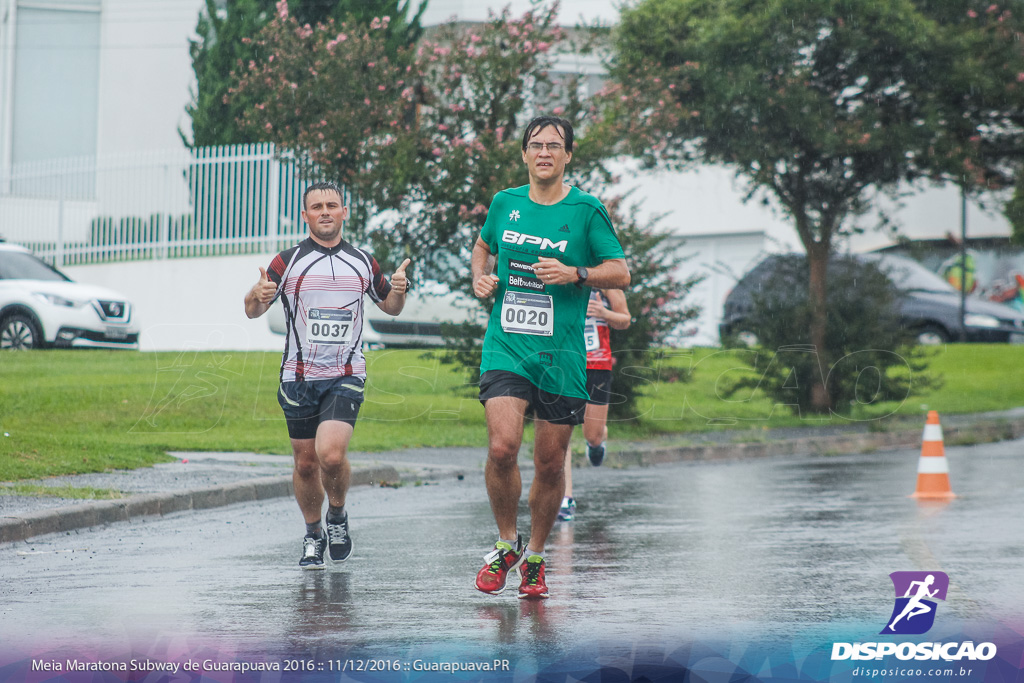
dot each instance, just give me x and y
(542, 122)
(325, 186)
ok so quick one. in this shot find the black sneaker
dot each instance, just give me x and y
(596, 454)
(339, 543)
(313, 551)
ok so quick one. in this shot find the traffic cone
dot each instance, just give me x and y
(932, 468)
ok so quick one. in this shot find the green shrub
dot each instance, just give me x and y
(869, 356)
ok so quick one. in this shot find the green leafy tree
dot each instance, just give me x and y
(225, 30)
(820, 103)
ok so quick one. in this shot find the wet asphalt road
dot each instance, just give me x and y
(777, 547)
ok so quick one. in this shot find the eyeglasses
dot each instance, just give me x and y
(551, 146)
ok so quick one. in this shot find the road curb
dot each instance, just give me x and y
(836, 444)
(98, 513)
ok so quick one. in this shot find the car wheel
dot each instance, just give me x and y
(932, 335)
(20, 332)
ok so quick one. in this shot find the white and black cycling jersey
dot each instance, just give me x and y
(321, 290)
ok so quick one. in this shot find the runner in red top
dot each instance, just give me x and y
(607, 309)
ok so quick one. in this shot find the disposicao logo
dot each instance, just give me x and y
(916, 595)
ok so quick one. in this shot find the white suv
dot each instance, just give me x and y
(41, 307)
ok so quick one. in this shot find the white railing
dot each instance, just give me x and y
(209, 201)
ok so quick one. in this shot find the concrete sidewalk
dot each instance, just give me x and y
(197, 481)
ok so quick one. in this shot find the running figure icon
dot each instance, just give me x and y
(915, 607)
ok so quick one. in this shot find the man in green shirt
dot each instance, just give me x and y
(550, 243)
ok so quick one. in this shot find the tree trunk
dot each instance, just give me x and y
(817, 261)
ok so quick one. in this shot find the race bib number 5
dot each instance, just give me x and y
(528, 313)
(590, 337)
(329, 326)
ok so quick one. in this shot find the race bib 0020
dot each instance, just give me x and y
(329, 326)
(528, 313)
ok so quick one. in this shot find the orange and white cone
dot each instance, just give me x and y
(933, 468)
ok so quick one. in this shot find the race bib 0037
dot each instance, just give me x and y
(528, 313)
(329, 326)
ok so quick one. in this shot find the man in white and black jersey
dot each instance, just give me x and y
(321, 282)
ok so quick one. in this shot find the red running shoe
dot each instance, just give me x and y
(500, 561)
(533, 585)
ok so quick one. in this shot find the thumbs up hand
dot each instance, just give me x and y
(265, 288)
(399, 281)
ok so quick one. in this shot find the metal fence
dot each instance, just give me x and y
(208, 201)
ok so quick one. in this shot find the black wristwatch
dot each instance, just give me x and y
(581, 276)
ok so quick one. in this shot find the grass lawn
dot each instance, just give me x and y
(65, 412)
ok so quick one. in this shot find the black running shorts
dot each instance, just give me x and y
(559, 410)
(307, 404)
(599, 386)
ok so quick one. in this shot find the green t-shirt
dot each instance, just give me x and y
(536, 330)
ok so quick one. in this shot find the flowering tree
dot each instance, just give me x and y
(223, 41)
(336, 97)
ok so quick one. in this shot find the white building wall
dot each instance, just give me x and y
(570, 12)
(189, 304)
(721, 259)
(145, 74)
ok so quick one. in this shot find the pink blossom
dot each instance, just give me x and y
(282, 9)
(380, 87)
(558, 111)
(993, 8)
(407, 93)
(1020, 77)
(371, 64)
(366, 101)
(972, 14)
(437, 152)
(474, 38)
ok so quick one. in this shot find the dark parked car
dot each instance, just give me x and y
(929, 305)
